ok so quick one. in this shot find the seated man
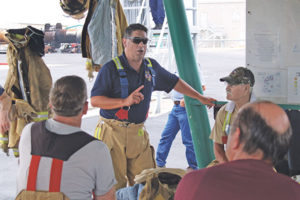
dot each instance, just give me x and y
(259, 137)
(85, 162)
(239, 92)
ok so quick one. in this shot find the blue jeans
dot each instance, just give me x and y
(177, 120)
(157, 11)
(130, 193)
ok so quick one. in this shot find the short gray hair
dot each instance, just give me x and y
(68, 96)
(258, 135)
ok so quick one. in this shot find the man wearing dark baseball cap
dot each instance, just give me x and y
(239, 92)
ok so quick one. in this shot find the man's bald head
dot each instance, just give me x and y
(273, 115)
(263, 126)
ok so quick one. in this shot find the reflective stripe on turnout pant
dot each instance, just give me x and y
(129, 147)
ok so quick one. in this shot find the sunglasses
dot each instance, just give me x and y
(138, 40)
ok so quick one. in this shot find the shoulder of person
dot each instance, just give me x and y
(153, 61)
(108, 67)
(222, 109)
(221, 113)
(26, 134)
(99, 146)
(109, 64)
(195, 177)
(27, 127)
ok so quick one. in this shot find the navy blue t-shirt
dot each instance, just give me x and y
(108, 84)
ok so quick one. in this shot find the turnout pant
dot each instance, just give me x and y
(129, 148)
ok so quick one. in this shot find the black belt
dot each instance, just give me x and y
(176, 102)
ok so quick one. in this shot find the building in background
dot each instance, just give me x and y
(222, 23)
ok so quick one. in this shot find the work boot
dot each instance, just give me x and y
(157, 27)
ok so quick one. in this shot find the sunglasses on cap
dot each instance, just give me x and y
(138, 40)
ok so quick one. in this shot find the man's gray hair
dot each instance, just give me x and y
(258, 135)
(68, 96)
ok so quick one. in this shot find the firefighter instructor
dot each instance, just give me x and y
(123, 91)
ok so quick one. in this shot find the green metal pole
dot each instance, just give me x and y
(187, 68)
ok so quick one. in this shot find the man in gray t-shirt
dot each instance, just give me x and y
(87, 165)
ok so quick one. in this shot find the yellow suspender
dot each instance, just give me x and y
(118, 63)
(226, 122)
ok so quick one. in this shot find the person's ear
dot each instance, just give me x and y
(247, 88)
(124, 42)
(85, 108)
(235, 138)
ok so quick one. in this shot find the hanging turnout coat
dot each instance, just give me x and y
(102, 33)
(26, 46)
